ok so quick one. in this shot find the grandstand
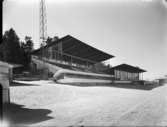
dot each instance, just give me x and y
(70, 59)
(125, 73)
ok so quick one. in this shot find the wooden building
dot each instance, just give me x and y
(127, 72)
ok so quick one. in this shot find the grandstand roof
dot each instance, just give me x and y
(128, 68)
(75, 47)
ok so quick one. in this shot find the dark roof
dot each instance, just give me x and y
(80, 49)
(128, 68)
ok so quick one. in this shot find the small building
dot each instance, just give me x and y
(5, 80)
(162, 81)
(127, 72)
(6, 77)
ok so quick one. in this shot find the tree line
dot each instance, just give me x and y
(12, 50)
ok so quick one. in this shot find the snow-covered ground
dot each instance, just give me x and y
(95, 105)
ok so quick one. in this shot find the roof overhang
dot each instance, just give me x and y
(75, 47)
(128, 68)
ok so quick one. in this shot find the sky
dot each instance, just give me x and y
(134, 31)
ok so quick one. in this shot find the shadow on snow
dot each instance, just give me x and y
(18, 115)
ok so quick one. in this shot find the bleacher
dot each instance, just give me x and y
(70, 58)
(65, 73)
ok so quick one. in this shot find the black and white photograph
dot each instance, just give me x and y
(83, 63)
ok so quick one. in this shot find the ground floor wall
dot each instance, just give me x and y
(123, 75)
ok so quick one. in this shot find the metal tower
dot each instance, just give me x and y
(43, 35)
(43, 23)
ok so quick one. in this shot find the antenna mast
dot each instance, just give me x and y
(43, 23)
(43, 34)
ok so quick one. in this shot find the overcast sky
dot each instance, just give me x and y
(134, 31)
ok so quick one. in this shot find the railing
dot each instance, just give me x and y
(66, 59)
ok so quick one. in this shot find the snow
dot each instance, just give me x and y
(92, 106)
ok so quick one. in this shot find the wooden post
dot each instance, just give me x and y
(87, 64)
(138, 76)
(71, 61)
(1, 103)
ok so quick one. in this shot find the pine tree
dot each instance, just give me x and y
(11, 50)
